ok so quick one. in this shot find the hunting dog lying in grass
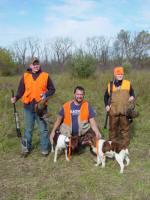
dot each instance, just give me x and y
(103, 149)
(62, 142)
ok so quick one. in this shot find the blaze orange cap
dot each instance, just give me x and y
(118, 71)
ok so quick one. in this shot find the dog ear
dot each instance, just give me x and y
(89, 136)
(57, 133)
(106, 147)
(74, 142)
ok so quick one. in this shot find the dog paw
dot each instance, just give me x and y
(96, 164)
(121, 169)
(127, 164)
(55, 161)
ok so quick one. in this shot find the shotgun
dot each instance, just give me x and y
(16, 118)
(109, 102)
(22, 139)
(106, 119)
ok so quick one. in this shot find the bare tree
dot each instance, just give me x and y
(20, 51)
(117, 53)
(98, 47)
(140, 46)
(33, 46)
(25, 49)
(46, 53)
(62, 49)
(125, 47)
(122, 46)
(93, 46)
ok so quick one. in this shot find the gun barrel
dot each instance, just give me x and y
(16, 118)
(105, 125)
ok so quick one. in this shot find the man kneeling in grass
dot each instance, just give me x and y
(76, 117)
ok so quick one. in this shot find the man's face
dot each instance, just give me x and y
(119, 77)
(35, 67)
(79, 96)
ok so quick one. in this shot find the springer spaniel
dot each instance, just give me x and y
(61, 142)
(109, 149)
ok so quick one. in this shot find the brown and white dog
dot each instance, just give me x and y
(61, 142)
(109, 149)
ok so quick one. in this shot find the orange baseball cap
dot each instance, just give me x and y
(118, 71)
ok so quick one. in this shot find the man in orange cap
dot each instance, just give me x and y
(121, 93)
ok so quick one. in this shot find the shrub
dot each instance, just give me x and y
(82, 65)
(6, 72)
(127, 67)
(7, 64)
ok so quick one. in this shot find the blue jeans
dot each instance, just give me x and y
(30, 118)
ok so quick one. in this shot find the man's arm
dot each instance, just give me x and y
(95, 128)
(106, 98)
(132, 95)
(21, 89)
(50, 87)
(56, 125)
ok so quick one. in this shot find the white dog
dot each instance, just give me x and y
(61, 143)
(112, 150)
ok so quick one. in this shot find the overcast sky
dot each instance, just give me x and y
(77, 19)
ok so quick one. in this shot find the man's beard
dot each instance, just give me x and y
(79, 101)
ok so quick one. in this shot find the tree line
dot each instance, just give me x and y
(56, 54)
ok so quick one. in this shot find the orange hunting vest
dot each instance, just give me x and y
(34, 88)
(84, 112)
(125, 86)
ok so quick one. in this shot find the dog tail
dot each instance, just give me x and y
(127, 152)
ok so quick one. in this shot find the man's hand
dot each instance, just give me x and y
(13, 100)
(98, 135)
(52, 136)
(131, 99)
(107, 108)
(95, 128)
(56, 125)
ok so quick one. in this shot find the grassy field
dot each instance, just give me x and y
(35, 178)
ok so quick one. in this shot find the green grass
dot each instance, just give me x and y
(37, 178)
